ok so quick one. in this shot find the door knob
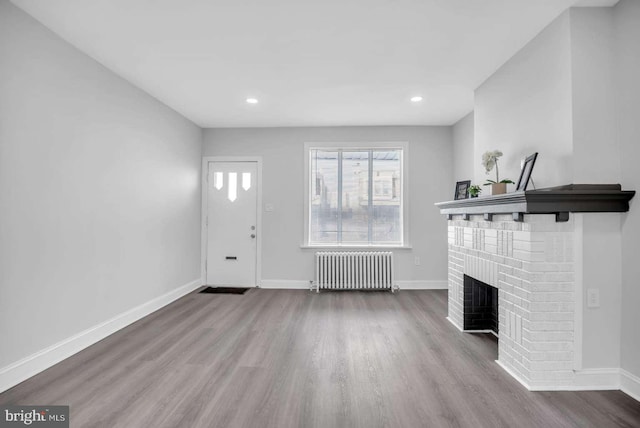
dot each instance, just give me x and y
(253, 235)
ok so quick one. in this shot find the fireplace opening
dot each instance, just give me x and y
(480, 306)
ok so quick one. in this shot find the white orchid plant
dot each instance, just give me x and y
(490, 160)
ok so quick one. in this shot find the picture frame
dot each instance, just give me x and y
(462, 190)
(525, 173)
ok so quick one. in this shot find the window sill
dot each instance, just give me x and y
(356, 247)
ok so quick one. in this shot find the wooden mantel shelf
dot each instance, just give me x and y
(553, 200)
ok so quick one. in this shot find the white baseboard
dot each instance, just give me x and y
(589, 380)
(455, 325)
(630, 384)
(33, 364)
(514, 375)
(423, 285)
(596, 379)
(285, 284)
(304, 284)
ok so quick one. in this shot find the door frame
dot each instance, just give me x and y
(205, 205)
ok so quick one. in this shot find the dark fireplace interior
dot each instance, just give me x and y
(480, 305)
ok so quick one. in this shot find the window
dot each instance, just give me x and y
(355, 196)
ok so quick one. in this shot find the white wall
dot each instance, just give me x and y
(601, 265)
(525, 106)
(592, 94)
(430, 172)
(627, 78)
(596, 159)
(463, 150)
(99, 189)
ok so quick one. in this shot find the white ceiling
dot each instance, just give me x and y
(309, 62)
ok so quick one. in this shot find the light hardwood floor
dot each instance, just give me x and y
(291, 358)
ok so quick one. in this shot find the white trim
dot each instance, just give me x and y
(204, 212)
(406, 208)
(596, 379)
(578, 314)
(455, 325)
(33, 364)
(423, 285)
(286, 284)
(482, 332)
(630, 384)
(306, 284)
(603, 379)
(514, 375)
(349, 247)
(203, 219)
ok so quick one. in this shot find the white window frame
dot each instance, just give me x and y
(404, 146)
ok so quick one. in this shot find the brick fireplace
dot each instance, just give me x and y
(531, 265)
(542, 252)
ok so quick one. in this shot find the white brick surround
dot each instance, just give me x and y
(532, 265)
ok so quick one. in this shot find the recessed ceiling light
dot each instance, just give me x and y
(416, 99)
(252, 100)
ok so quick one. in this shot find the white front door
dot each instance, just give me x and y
(232, 235)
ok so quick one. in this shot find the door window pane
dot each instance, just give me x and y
(218, 180)
(233, 186)
(246, 180)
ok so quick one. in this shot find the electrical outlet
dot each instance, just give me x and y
(593, 298)
(416, 260)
